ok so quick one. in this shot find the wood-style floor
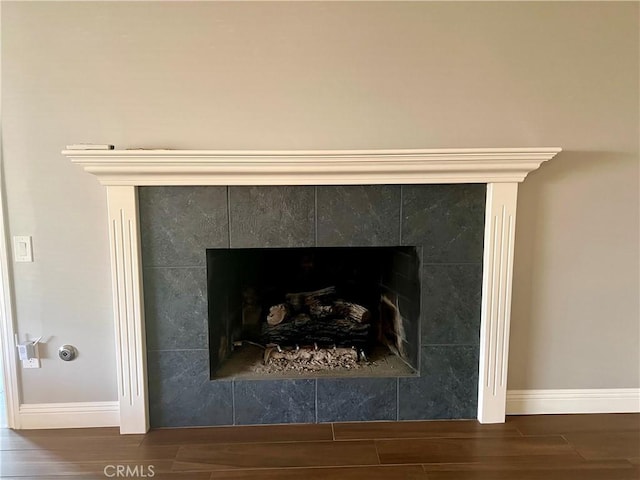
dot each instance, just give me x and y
(550, 447)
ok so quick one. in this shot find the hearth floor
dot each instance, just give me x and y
(245, 363)
(538, 447)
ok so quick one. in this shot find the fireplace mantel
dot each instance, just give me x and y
(317, 167)
(122, 171)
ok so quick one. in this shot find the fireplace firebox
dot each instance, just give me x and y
(306, 312)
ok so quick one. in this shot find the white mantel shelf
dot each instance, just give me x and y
(300, 167)
(122, 171)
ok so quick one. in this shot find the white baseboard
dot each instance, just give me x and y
(68, 415)
(519, 402)
(537, 402)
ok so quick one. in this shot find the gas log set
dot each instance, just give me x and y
(316, 330)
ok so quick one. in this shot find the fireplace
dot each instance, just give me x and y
(124, 171)
(307, 312)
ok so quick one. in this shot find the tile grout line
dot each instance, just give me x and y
(397, 399)
(229, 216)
(401, 213)
(315, 405)
(233, 400)
(315, 219)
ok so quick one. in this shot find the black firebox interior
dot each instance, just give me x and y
(245, 283)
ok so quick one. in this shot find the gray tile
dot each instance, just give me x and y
(447, 220)
(364, 215)
(175, 303)
(444, 222)
(452, 296)
(274, 401)
(181, 394)
(272, 216)
(177, 224)
(447, 387)
(357, 399)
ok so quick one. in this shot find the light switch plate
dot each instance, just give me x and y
(22, 250)
(31, 363)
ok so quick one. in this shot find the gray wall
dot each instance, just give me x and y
(333, 75)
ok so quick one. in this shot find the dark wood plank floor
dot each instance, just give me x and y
(550, 447)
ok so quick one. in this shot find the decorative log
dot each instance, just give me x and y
(303, 330)
(277, 314)
(267, 354)
(311, 354)
(352, 311)
(317, 317)
(317, 297)
(321, 311)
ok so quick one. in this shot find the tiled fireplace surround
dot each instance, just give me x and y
(430, 197)
(177, 224)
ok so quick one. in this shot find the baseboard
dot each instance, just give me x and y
(519, 402)
(536, 402)
(69, 415)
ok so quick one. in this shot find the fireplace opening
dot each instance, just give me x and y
(309, 312)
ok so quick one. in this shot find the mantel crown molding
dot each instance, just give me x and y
(310, 167)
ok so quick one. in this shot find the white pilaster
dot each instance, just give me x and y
(499, 238)
(128, 308)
